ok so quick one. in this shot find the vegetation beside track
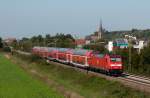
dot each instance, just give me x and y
(139, 64)
(88, 86)
(15, 83)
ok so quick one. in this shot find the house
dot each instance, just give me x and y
(109, 47)
(120, 43)
(8, 41)
(80, 42)
(139, 45)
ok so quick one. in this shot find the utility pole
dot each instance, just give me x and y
(130, 51)
(56, 48)
(45, 42)
(56, 42)
(76, 38)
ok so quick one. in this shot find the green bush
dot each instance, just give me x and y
(7, 49)
(88, 86)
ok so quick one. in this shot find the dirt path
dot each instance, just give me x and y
(60, 88)
(7, 56)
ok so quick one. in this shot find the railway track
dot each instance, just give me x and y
(137, 76)
(134, 81)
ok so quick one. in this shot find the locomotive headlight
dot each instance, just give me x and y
(116, 64)
(119, 64)
(113, 64)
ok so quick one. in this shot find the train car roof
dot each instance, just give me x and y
(36, 47)
(51, 49)
(100, 55)
(81, 52)
(115, 56)
(63, 49)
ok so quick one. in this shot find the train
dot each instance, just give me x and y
(88, 59)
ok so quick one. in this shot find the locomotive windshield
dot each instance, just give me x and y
(99, 55)
(115, 59)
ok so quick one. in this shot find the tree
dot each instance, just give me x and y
(64, 41)
(1, 43)
(145, 55)
(48, 39)
(96, 47)
(15, 44)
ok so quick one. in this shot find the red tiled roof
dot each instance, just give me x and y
(80, 41)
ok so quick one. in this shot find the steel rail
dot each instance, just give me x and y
(139, 82)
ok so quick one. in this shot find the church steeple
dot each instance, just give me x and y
(100, 30)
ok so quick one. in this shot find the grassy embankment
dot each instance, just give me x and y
(15, 83)
(85, 85)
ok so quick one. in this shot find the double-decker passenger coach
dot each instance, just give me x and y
(88, 59)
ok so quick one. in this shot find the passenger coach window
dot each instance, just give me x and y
(116, 59)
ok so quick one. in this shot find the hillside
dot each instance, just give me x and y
(15, 83)
(88, 86)
(140, 34)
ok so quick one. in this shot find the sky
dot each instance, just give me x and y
(25, 18)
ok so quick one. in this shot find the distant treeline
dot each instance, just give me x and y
(140, 62)
(59, 40)
(140, 34)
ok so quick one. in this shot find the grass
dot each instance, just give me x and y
(15, 83)
(86, 85)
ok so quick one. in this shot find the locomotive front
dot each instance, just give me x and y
(115, 64)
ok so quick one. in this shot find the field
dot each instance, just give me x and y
(87, 86)
(16, 83)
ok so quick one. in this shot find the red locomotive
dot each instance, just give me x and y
(89, 59)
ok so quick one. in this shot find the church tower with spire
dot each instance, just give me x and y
(100, 30)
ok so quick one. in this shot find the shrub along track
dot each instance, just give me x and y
(60, 88)
(134, 81)
(137, 82)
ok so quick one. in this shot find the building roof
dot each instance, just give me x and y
(9, 40)
(120, 42)
(80, 42)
